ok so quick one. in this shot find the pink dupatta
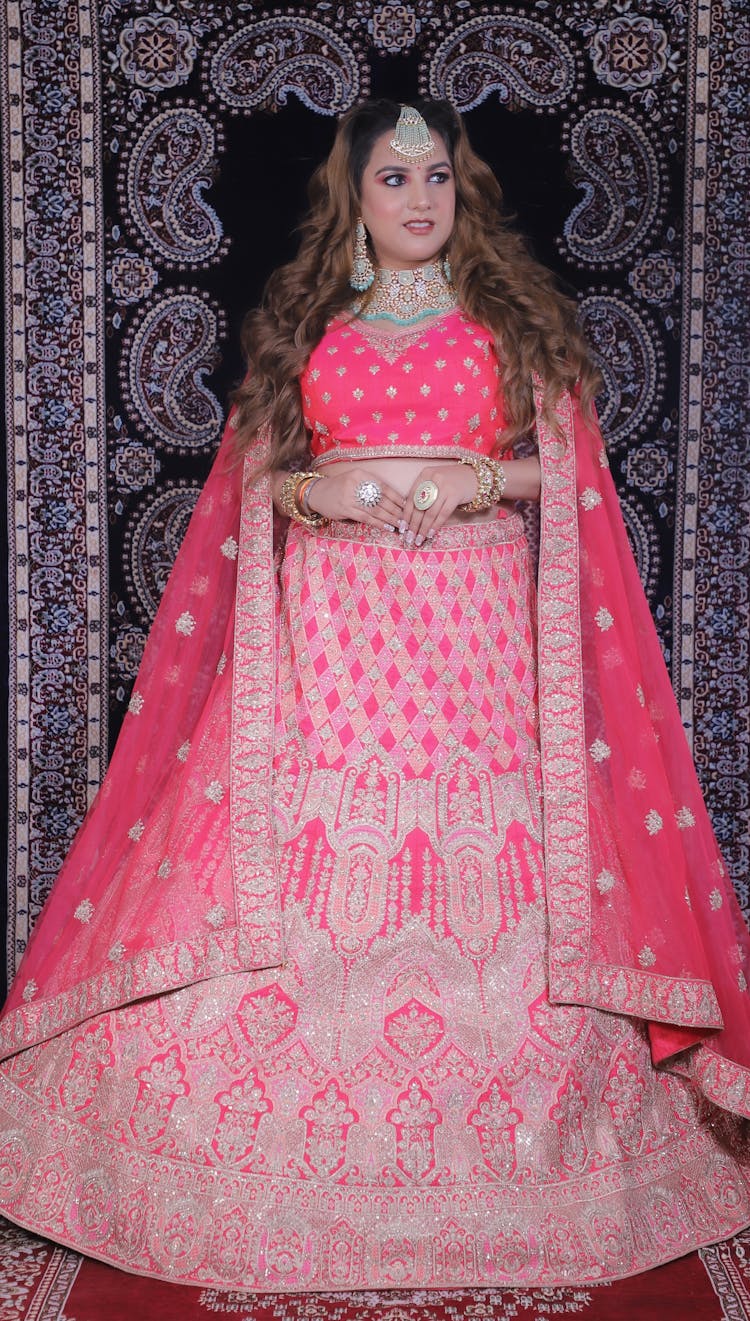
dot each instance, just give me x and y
(145, 902)
(643, 920)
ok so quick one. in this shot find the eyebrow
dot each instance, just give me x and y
(403, 168)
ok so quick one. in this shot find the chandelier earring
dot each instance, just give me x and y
(363, 272)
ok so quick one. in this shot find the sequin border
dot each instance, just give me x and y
(254, 864)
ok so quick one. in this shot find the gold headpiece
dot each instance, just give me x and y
(411, 141)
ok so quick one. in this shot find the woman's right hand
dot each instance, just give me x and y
(335, 496)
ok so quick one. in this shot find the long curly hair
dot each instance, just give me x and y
(498, 282)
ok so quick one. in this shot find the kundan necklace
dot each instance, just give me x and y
(408, 296)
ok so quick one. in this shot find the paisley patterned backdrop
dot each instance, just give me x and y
(156, 156)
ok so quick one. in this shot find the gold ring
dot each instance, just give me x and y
(426, 495)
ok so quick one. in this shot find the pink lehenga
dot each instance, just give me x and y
(396, 949)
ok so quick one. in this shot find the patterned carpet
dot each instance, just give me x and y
(41, 1282)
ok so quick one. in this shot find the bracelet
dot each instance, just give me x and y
(491, 478)
(302, 493)
(289, 498)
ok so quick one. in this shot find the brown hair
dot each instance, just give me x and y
(499, 284)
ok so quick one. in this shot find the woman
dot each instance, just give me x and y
(396, 949)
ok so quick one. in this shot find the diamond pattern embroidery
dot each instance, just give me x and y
(436, 666)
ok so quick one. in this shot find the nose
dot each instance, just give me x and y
(419, 197)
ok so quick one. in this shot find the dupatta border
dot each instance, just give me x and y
(252, 842)
(573, 976)
(724, 1081)
(151, 972)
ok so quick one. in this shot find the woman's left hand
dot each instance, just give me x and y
(456, 484)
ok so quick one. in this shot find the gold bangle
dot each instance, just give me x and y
(289, 503)
(486, 482)
(491, 478)
(501, 479)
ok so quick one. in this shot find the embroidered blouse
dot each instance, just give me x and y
(430, 390)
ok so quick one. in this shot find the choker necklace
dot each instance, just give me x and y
(408, 296)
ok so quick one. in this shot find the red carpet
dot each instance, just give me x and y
(41, 1282)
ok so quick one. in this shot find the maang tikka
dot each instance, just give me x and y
(412, 140)
(363, 272)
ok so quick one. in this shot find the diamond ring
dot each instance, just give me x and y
(368, 494)
(425, 495)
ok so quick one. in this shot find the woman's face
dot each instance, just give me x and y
(408, 210)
